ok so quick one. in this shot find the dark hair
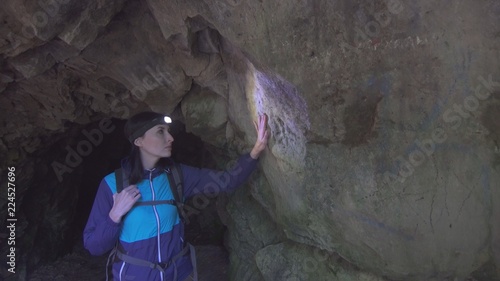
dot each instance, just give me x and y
(133, 124)
(136, 169)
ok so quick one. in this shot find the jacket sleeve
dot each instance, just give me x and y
(210, 182)
(101, 233)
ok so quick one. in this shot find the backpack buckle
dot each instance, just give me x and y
(164, 265)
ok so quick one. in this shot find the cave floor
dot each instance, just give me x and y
(213, 264)
(76, 266)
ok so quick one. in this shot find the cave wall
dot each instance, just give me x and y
(384, 156)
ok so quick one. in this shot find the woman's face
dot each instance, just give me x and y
(156, 142)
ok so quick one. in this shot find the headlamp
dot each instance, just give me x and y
(148, 125)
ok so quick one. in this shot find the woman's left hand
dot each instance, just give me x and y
(262, 136)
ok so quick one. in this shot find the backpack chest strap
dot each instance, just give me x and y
(174, 175)
(156, 202)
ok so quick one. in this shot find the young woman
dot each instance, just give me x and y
(149, 239)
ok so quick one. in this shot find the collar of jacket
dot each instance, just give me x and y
(156, 171)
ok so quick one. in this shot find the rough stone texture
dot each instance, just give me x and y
(289, 261)
(385, 143)
(248, 233)
(205, 115)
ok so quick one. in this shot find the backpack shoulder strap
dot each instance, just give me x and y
(177, 176)
(174, 174)
(119, 180)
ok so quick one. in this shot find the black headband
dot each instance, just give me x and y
(148, 125)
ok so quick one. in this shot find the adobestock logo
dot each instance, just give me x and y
(219, 182)
(93, 138)
(372, 28)
(453, 118)
(40, 19)
(155, 77)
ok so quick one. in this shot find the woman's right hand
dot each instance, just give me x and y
(123, 202)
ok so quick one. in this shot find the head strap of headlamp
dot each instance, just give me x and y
(148, 125)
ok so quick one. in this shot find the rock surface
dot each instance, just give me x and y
(385, 140)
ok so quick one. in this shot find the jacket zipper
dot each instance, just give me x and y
(157, 219)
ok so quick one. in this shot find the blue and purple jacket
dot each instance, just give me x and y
(154, 233)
